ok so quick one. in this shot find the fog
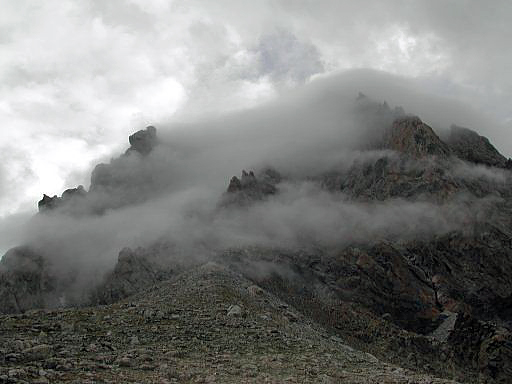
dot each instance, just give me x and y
(173, 194)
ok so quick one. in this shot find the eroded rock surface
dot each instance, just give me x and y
(470, 146)
(181, 332)
(409, 135)
(143, 141)
(135, 271)
(249, 188)
(438, 303)
(25, 282)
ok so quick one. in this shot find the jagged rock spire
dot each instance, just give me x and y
(249, 187)
(143, 141)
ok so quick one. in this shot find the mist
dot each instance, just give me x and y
(173, 194)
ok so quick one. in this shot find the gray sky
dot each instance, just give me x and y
(77, 77)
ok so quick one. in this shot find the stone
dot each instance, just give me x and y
(143, 141)
(38, 352)
(249, 188)
(125, 362)
(234, 310)
(41, 380)
(470, 146)
(254, 290)
(48, 203)
(409, 135)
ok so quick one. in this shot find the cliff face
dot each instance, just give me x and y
(410, 136)
(452, 291)
(120, 183)
(470, 146)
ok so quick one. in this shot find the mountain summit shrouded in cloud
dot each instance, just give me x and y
(341, 195)
(78, 76)
(198, 191)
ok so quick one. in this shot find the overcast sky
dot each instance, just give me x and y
(77, 77)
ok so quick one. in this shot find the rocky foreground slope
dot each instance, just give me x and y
(208, 325)
(434, 301)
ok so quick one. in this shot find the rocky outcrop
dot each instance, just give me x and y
(250, 188)
(25, 282)
(48, 203)
(484, 346)
(143, 141)
(410, 136)
(181, 331)
(69, 197)
(450, 291)
(135, 271)
(118, 171)
(392, 177)
(122, 181)
(470, 146)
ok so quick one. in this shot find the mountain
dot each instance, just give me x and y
(400, 255)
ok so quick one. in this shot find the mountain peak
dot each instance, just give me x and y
(409, 135)
(470, 146)
(143, 141)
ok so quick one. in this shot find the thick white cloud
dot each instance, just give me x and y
(77, 77)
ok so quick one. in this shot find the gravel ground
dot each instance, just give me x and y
(208, 325)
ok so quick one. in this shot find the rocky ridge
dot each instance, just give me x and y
(440, 305)
(186, 331)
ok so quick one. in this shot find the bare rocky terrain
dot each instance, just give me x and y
(207, 325)
(424, 303)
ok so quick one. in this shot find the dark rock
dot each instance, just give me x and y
(470, 146)
(483, 345)
(25, 281)
(250, 188)
(69, 198)
(48, 203)
(143, 141)
(71, 193)
(135, 270)
(234, 185)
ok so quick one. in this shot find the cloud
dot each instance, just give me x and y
(173, 194)
(83, 75)
(285, 58)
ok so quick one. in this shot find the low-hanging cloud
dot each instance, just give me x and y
(90, 71)
(172, 195)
